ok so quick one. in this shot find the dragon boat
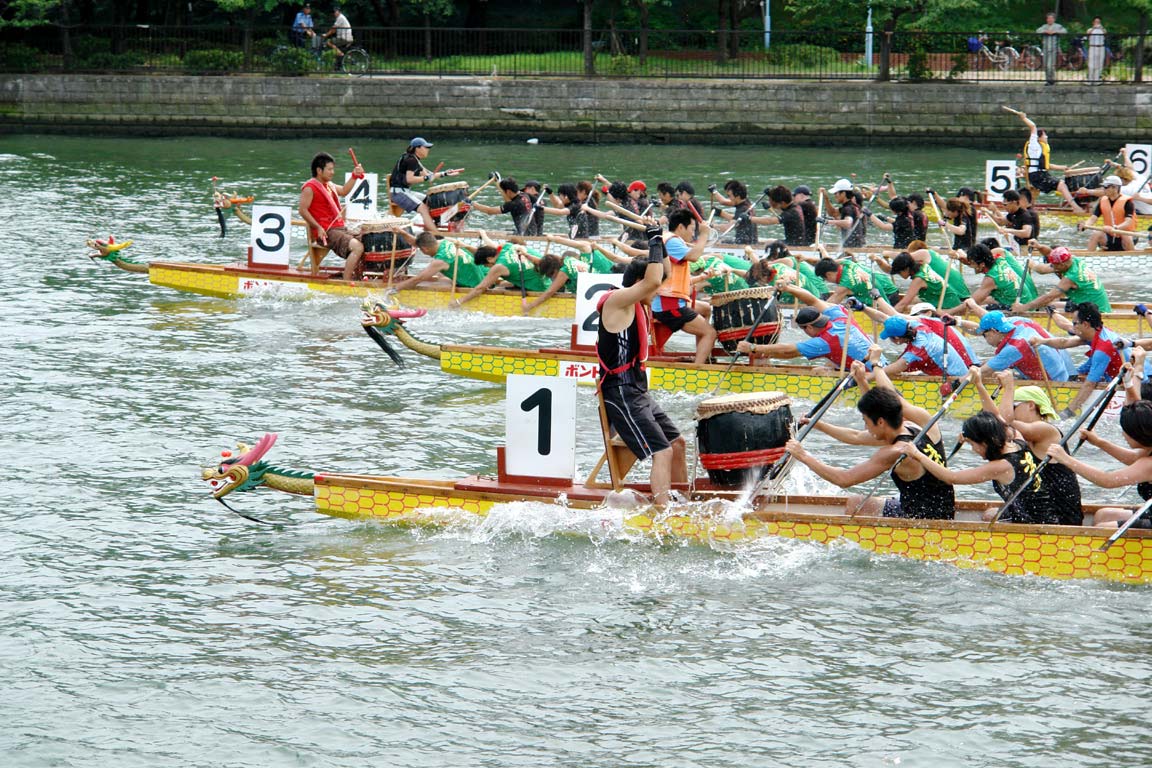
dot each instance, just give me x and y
(669, 372)
(710, 517)
(240, 279)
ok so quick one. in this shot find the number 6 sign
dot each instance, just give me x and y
(999, 177)
(540, 426)
(1140, 155)
(271, 226)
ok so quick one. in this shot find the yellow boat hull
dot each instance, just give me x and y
(1056, 552)
(238, 281)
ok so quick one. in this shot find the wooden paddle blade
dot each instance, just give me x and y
(223, 226)
(377, 336)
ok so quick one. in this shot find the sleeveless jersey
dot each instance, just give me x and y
(622, 354)
(927, 497)
(1034, 504)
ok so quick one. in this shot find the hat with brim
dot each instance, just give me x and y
(895, 327)
(637, 186)
(843, 185)
(809, 316)
(1038, 396)
(1113, 181)
(419, 142)
(920, 308)
(995, 321)
(803, 189)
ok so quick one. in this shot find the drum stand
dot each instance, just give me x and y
(618, 456)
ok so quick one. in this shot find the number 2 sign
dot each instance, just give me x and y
(540, 426)
(589, 286)
(999, 177)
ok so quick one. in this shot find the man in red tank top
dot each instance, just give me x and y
(321, 211)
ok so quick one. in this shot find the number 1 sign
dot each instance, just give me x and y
(540, 426)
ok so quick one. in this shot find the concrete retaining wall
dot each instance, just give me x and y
(597, 110)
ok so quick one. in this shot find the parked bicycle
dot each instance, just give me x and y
(1004, 55)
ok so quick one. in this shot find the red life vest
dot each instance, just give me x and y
(325, 207)
(834, 339)
(637, 361)
(1029, 362)
(1115, 359)
(937, 327)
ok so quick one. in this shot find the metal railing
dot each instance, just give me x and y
(796, 54)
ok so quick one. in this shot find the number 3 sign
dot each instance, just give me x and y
(540, 426)
(271, 227)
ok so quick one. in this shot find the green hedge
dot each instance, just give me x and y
(213, 61)
(18, 57)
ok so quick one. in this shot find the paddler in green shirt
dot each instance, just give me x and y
(872, 288)
(925, 285)
(718, 275)
(512, 264)
(1077, 283)
(920, 251)
(449, 263)
(779, 255)
(596, 257)
(1001, 283)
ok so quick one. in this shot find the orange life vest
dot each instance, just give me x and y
(1112, 213)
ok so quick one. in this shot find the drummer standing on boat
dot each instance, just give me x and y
(673, 305)
(320, 208)
(622, 348)
(410, 170)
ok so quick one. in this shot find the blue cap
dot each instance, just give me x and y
(419, 142)
(895, 326)
(995, 321)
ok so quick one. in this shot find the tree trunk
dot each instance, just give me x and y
(722, 33)
(249, 23)
(1138, 75)
(428, 38)
(883, 75)
(589, 57)
(643, 52)
(734, 21)
(65, 34)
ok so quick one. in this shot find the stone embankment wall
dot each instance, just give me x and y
(594, 110)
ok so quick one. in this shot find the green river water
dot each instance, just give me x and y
(144, 625)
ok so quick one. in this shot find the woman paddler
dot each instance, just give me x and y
(622, 348)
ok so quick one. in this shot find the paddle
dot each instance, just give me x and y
(720, 236)
(1127, 524)
(747, 339)
(217, 203)
(939, 219)
(1099, 405)
(849, 317)
(917, 440)
(944, 287)
(944, 388)
(492, 177)
(781, 467)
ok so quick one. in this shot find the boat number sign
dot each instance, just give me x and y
(270, 235)
(1140, 156)
(589, 286)
(361, 204)
(540, 426)
(999, 177)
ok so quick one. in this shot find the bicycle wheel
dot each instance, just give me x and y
(357, 61)
(1031, 58)
(1006, 58)
(1075, 60)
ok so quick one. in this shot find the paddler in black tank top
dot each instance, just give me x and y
(889, 420)
(622, 346)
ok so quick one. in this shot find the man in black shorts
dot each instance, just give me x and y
(622, 347)
(1036, 152)
(673, 305)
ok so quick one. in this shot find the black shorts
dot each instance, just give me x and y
(675, 319)
(1043, 181)
(1114, 243)
(640, 422)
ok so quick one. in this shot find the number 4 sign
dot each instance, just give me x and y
(540, 426)
(362, 200)
(999, 177)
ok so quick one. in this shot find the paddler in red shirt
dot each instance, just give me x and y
(320, 208)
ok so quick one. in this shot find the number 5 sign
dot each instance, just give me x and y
(999, 177)
(271, 225)
(540, 426)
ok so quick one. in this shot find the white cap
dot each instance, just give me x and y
(1113, 181)
(920, 307)
(843, 185)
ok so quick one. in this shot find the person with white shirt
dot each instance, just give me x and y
(339, 37)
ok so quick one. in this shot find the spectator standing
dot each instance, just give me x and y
(1097, 46)
(1050, 32)
(302, 28)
